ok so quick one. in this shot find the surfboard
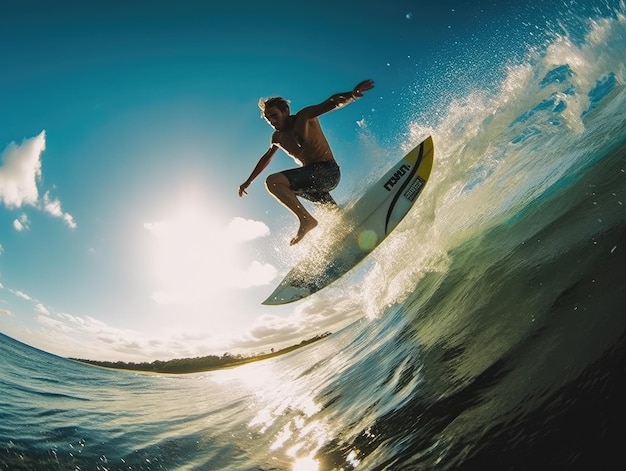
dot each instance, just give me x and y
(364, 226)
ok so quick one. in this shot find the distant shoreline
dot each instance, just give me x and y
(198, 364)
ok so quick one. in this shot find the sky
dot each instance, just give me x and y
(126, 129)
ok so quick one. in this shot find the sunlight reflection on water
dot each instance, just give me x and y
(305, 464)
(285, 405)
(285, 411)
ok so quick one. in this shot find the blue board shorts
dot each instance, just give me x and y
(314, 182)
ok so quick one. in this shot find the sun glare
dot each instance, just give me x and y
(195, 256)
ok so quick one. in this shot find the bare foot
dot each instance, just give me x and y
(305, 226)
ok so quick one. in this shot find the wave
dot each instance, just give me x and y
(499, 150)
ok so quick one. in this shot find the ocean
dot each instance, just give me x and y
(492, 329)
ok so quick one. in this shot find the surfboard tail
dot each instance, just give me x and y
(286, 294)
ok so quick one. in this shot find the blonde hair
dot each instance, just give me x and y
(276, 101)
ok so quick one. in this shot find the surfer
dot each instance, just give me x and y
(302, 138)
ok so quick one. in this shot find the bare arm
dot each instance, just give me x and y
(339, 99)
(260, 166)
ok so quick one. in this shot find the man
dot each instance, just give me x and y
(301, 137)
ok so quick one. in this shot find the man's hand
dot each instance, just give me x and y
(363, 86)
(242, 189)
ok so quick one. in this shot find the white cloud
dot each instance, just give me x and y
(53, 207)
(22, 223)
(257, 274)
(20, 173)
(89, 338)
(196, 258)
(307, 320)
(241, 230)
(269, 328)
(83, 336)
(21, 294)
(41, 309)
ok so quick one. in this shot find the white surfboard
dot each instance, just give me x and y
(365, 225)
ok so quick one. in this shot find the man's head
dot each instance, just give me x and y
(274, 110)
(274, 102)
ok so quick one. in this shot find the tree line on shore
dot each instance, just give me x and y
(198, 364)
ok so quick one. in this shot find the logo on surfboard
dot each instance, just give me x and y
(397, 176)
(414, 189)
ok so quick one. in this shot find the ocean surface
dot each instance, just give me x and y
(496, 339)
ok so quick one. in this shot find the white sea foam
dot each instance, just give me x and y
(497, 151)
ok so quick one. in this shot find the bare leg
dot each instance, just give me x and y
(278, 185)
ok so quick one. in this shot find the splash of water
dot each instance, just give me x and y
(498, 151)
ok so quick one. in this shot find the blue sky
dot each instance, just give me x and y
(126, 129)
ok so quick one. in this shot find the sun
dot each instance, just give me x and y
(196, 255)
(189, 248)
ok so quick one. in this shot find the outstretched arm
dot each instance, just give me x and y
(363, 86)
(260, 166)
(339, 99)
